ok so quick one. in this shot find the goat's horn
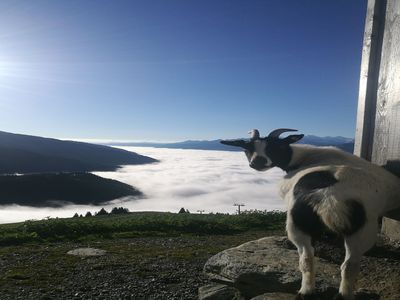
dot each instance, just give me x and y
(277, 132)
(255, 134)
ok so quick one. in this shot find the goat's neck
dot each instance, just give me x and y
(303, 156)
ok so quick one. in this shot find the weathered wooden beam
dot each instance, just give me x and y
(369, 74)
(387, 135)
(378, 117)
(386, 138)
(387, 121)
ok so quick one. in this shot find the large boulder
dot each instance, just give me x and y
(267, 268)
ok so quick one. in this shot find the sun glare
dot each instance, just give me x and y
(6, 72)
(12, 75)
(7, 68)
(2, 67)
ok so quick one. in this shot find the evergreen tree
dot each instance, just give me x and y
(119, 210)
(102, 212)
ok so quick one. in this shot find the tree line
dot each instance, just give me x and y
(102, 212)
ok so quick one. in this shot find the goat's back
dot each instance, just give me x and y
(354, 190)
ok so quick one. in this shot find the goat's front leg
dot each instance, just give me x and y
(306, 261)
(356, 245)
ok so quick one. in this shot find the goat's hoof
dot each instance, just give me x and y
(312, 296)
(339, 296)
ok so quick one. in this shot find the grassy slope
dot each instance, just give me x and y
(135, 225)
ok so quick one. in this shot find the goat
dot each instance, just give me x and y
(325, 188)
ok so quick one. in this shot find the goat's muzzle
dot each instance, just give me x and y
(259, 163)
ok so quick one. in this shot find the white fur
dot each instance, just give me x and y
(376, 189)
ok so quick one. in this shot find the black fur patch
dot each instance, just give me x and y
(303, 214)
(315, 181)
(357, 217)
(258, 163)
(279, 152)
(305, 218)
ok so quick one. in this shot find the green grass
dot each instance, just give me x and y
(137, 225)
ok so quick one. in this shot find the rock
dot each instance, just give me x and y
(84, 252)
(274, 296)
(215, 291)
(391, 227)
(266, 266)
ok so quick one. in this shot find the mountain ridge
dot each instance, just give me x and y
(344, 143)
(25, 154)
(60, 189)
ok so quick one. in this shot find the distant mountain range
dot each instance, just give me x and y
(31, 154)
(346, 144)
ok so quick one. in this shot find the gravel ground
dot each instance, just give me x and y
(153, 268)
(140, 268)
(379, 276)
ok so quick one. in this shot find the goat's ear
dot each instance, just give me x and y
(235, 143)
(293, 138)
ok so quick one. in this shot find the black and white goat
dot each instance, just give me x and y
(325, 188)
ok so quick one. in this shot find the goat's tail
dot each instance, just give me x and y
(318, 205)
(315, 212)
(342, 217)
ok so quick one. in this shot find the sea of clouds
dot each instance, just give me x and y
(194, 179)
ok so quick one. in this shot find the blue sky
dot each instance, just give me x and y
(171, 70)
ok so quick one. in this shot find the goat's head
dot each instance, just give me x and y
(264, 153)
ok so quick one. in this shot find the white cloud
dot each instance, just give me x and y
(195, 179)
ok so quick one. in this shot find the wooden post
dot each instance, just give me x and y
(370, 62)
(378, 117)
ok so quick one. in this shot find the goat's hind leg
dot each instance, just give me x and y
(356, 245)
(306, 261)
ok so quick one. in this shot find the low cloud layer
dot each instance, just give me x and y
(200, 180)
(195, 179)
